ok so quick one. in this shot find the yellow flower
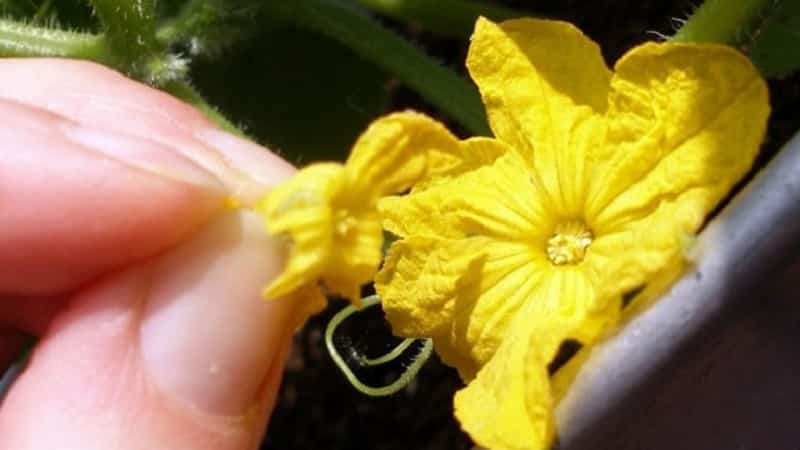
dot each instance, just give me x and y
(589, 191)
(327, 211)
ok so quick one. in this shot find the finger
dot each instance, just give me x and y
(178, 352)
(103, 99)
(78, 202)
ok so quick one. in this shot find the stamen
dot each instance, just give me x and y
(569, 243)
(344, 223)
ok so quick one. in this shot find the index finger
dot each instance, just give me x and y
(98, 171)
(78, 201)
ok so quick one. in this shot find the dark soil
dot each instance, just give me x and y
(317, 407)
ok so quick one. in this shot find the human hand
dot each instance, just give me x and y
(117, 251)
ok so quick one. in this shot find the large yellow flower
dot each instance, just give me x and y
(327, 211)
(591, 188)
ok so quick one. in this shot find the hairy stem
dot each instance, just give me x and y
(445, 89)
(130, 29)
(23, 40)
(455, 18)
(129, 24)
(208, 26)
(722, 21)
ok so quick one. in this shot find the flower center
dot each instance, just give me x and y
(344, 223)
(569, 243)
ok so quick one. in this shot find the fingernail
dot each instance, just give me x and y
(254, 160)
(207, 337)
(142, 154)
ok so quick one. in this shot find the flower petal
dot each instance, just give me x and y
(359, 250)
(682, 117)
(421, 279)
(510, 277)
(687, 121)
(541, 81)
(300, 209)
(424, 214)
(508, 406)
(472, 154)
(393, 153)
(497, 200)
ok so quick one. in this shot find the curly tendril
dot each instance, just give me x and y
(402, 381)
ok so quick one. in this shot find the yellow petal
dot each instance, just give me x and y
(462, 293)
(420, 284)
(311, 301)
(541, 81)
(687, 121)
(495, 200)
(424, 214)
(682, 117)
(471, 154)
(421, 279)
(392, 154)
(567, 307)
(508, 406)
(300, 209)
(510, 277)
(358, 253)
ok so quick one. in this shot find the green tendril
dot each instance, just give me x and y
(391, 356)
(404, 378)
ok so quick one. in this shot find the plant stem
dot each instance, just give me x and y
(442, 87)
(129, 24)
(22, 40)
(722, 21)
(454, 18)
(184, 91)
(130, 29)
(208, 26)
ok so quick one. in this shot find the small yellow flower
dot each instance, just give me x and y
(327, 211)
(589, 191)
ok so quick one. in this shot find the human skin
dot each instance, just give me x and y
(117, 251)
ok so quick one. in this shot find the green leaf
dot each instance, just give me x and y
(453, 18)
(301, 94)
(776, 46)
(342, 21)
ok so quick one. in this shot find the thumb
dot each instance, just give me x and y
(177, 352)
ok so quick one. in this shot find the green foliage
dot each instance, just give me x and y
(776, 44)
(207, 27)
(768, 30)
(454, 18)
(723, 21)
(299, 93)
(341, 21)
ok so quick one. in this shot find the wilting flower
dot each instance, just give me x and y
(589, 191)
(327, 211)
